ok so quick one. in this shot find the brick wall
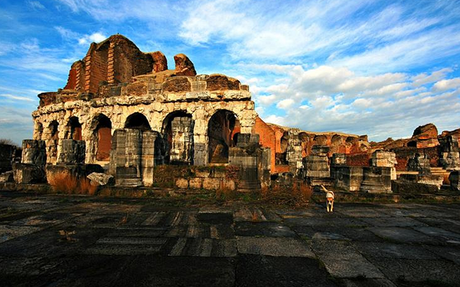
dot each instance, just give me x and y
(403, 155)
(267, 138)
(358, 159)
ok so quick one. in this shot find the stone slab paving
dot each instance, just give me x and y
(87, 241)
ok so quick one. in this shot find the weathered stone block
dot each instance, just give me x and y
(100, 179)
(320, 150)
(212, 183)
(196, 183)
(203, 173)
(408, 187)
(182, 183)
(376, 180)
(348, 178)
(420, 163)
(181, 140)
(28, 173)
(450, 160)
(339, 159)
(72, 152)
(148, 157)
(229, 184)
(34, 152)
(385, 159)
(316, 166)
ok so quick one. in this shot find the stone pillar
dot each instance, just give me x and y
(125, 157)
(294, 152)
(450, 157)
(148, 157)
(72, 152)
(376, 180)
(316, 165)
(385, 159)
(34, 152)
(182, 140)
(420, 163)
(32, 168)
(345, 177)
(247, 156)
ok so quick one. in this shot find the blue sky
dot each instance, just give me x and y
(380, 68)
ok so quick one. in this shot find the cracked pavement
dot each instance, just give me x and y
(50, 240)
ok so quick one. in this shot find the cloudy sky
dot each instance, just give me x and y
(372, 67)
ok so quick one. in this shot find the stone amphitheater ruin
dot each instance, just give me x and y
(123, 113)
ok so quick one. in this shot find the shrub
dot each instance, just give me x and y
(64, 182)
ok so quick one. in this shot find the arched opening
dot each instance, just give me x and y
(320, 140)
(74, 129)
(220, 131)
(280, 158)
(54, 139)
(137, 121)
(337, 144)
(102, 137)
(178, 138)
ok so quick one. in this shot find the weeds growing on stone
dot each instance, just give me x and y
(64, 182)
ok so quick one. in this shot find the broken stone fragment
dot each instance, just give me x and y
(101, 179)
(184, 67)
(160, 63)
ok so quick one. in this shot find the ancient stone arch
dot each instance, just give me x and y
(100, 141)
(221, 127)
(177, 130)
(73, 129)
(137, 121)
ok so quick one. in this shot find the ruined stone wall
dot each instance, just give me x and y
(148, 97)
(404, 154)
(267, 138)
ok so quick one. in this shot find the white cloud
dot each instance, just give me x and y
(445, 85)
(424, 78)
(95, 37)
(380, 106)
(18, 98)
(36, 5)
(285, 104)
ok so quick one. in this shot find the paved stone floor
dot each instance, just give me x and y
(84, 241)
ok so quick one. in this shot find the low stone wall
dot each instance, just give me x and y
(196, 177)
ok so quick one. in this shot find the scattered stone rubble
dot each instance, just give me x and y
(122, 114)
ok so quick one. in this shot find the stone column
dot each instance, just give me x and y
(385, 159)
(32, 168)
(72, 152)
(294, 152)
(450, 157)
(182, 140)
(148, 156)
(376, 180)
(420, 163)
(316, 165)
(125, 157)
